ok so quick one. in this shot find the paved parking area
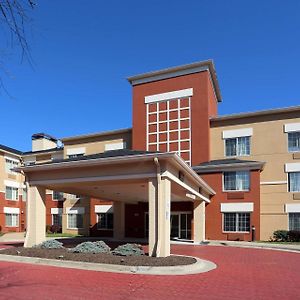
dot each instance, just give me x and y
(242, 273)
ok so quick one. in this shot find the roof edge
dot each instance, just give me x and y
(96, 134)
(266, 112)
(179, 71)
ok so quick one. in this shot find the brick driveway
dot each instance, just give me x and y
(241, 274)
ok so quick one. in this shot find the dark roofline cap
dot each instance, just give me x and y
(42, 135)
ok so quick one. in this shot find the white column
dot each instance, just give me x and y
(164, 211)
(153, 229)
(199, 221)
(119, 220)
(35, 216)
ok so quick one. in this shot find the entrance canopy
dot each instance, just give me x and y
(122, 176)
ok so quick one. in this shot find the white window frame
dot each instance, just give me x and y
(8, 166)
(16, 194)
(288, 182)
(290, 151)
(236, 138)
(70, 213)
(17, 217)
(233, 191)
(289, 219)
(237, 220)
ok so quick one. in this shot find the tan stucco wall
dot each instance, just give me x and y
(269, 144)
(97, 144)
(6, 176)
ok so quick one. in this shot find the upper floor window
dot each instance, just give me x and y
(75, 155)
(10, 164)
(58, 196)
(236, 181)
(294, 181)
(294, 141)
(11, 193)
(239, 146)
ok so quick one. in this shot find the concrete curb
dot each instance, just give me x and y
(201, 266)
(252, 246)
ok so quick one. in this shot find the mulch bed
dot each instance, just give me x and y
(64, 254)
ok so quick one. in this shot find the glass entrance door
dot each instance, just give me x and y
(175, 232)
(181, 225)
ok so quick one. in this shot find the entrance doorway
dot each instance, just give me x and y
(181, 225)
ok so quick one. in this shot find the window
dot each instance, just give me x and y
(236, 222)
(75, 155)
(294, 181)
(58, 196)
(11, 193)
(239, 146)
(75, 221)
(24, 197)
(105, 221)
(10, 164)
(57, 219)
(11, 220)
(236, 181)
(294, 141)
(294, 221)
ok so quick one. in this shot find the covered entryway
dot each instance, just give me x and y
(121, 176)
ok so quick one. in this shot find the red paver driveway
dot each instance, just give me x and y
(241, 274)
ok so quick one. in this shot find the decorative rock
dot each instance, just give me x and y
(129, 250)
(91, 247)
(50, 244)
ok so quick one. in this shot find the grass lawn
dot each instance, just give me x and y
(63, 235)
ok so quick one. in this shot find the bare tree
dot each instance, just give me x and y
(13, 19)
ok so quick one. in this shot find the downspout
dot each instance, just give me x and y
(158, 178)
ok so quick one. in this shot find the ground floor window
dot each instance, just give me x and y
(57, 220)
(105, 221)
(236, 222)
(12, 220)
(294, 221)
(75, 221)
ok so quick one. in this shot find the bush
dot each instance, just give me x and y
(55, 229)
(280, 236)
(129, 250)
(48, 228)
(91, 247)
(294, 236)
(50, 244)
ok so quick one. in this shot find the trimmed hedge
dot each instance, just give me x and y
(286, 236)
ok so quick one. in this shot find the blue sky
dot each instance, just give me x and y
(84, 50)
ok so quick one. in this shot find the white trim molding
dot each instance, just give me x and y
(227, 134)
(73, 151)
(11, 210)
(292, 208)
(292, 167)
(273, 182)
(292, 127)
(75, 210)
(115, 146)
(237, 207)
(104, 209)
(11, 183)
(169, 96)
(56, 211)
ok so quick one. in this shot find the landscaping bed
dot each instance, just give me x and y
(103, 258)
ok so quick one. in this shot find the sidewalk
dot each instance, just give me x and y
(12, 237)
(258, 245)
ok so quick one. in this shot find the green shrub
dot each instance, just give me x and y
(48, 228)
(294, 236)
(91, 247)
(280, 236)
(50, 244)
(129, 250)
